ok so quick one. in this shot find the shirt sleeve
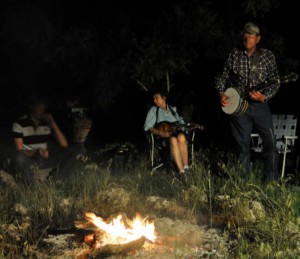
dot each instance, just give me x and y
(273, 76)
(221, 81)
(150, 119)
(17, 130)
(178, 117)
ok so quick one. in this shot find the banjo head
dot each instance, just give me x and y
(234, 100)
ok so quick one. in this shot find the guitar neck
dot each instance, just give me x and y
(190, 127)
(171, 127)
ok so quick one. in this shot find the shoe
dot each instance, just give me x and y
(186, 168)
(183, 178)
(187, 171)
(180, 176)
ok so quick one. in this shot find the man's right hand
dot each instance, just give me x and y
(160, 133)
(224, 100)
(49, 119)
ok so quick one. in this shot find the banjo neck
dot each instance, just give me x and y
(292, 77)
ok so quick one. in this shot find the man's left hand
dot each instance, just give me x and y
(257, 96)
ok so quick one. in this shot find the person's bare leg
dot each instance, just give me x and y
(183, 148)
(175, 153)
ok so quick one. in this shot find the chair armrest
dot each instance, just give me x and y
(150, 135)
(290, 137)
(256, 142)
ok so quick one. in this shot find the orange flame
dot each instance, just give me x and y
(116, 232)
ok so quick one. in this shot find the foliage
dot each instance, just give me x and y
(262, 217)
(260, 8)
(105, 59)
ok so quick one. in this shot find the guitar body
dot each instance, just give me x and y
(237, 105)
(166, 127)
(175, 127)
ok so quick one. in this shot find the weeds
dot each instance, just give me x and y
(263, 218)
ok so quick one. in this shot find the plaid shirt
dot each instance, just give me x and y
(241, 70)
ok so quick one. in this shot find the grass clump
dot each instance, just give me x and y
(263, 219)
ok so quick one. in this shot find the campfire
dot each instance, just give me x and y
(119, 235)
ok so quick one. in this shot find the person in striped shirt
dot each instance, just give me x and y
(32, 133)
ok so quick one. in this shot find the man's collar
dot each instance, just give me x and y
(35, 121)
(256, 52)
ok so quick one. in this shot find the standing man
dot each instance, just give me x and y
(32, 133)
(248, 67)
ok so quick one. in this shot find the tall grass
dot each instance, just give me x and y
(58, 204)
(272, 235)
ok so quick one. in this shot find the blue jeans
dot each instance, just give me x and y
(65, 159)
(258, 115)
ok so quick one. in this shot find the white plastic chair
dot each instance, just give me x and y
(285, 135)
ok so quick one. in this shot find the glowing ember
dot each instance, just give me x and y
(120, 232)
(89, 239)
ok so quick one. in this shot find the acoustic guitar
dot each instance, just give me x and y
(237, 95)
(175, 127)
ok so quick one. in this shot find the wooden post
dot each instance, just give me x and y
(168, 81)
(142, 85)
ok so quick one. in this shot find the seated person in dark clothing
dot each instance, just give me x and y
(32, 133)
(162, 112)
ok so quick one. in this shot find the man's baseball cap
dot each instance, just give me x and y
(251, 28)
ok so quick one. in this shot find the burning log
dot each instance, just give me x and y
(112, 249)
(117, 236)
(90, 239)
(84, 225)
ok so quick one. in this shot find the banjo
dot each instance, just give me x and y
(236, 95)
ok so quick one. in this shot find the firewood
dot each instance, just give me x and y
(84, 225)
(111, 249)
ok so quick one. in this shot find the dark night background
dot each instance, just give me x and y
(100, 50)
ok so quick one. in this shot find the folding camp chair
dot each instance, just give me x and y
(285, 135)
(159, 154)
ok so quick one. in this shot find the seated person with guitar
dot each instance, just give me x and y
(160, 120)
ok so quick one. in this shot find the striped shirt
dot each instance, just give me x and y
(241, 70)
(34, 137)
